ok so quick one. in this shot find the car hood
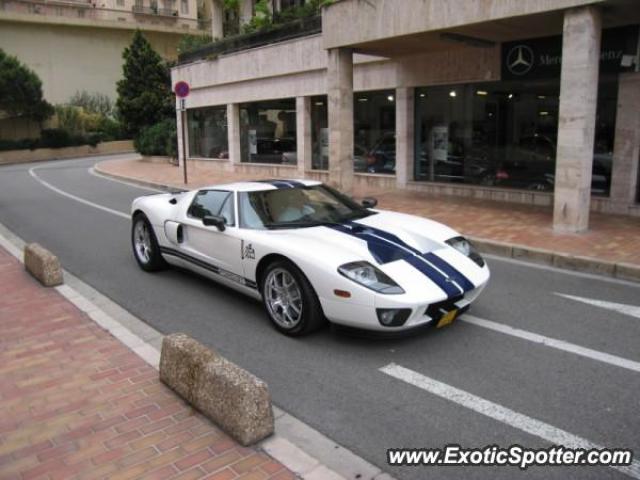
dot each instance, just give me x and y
(411, 250)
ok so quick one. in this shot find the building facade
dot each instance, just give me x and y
(76, 45)
(522, 101)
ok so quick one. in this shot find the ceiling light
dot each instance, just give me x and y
(390, 98)
(452, 93)
(481, 92)
(510, 96)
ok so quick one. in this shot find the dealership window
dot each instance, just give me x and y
(184, 7)
(268, 132)
(319, 133)
(374, 132)
(503, 134)
(207, 130)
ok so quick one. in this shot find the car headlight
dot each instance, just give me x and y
(465, 247)
(369, 276)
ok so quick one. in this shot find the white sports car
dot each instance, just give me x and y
(312, 254)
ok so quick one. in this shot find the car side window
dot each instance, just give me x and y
(213, 202)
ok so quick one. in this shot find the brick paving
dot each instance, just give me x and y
(611, 237)
(75, 403)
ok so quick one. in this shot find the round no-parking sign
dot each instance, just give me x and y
(181, 89)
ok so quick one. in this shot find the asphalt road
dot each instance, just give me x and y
(334, 381)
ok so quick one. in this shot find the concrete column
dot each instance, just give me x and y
(217, 19)
(233, 132)
(626, 148)
(576, 123)
(246, 11)
(405, 135)
(303, 134)
(340, 97)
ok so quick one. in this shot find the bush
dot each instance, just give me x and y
(23, 144)
(158, 139)
(55, 138)
(52, 138)
(97, 103)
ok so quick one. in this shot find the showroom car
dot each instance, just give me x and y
(312, 254)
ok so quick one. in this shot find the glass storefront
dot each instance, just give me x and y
(207, 130)
(319, 133)
(374, 132)
(268, 132)
(503, 134)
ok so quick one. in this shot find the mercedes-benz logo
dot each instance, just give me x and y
(520, 59)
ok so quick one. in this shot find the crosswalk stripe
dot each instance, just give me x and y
(554, 343)
(623, 308)
(553, 435)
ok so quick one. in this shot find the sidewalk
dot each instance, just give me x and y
(75, 403)
(612, 238)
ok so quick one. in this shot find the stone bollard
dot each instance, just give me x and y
(43, 265)
(234, 399)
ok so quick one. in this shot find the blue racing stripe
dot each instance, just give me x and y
(450, 270)
(438, 278)
(386, 247)
(283, 184)
(381, 250)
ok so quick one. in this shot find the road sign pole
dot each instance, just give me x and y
(184, 144)
(181, 89)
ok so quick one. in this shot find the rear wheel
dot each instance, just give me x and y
(145, 245)
(289, 299)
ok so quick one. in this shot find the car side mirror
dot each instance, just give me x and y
(217, 221)
(369, 202)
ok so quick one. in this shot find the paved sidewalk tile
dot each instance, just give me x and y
(612, 238)
(75, 403)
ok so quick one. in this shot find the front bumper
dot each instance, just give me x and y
(423, 313)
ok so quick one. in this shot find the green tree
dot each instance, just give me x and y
(193, 42)
(144, 94)
(21, 90)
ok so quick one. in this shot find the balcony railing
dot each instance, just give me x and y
(162, 12)
(286, 31)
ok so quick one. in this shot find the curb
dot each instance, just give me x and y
(309, 454)
(135, 181)
(564, 261)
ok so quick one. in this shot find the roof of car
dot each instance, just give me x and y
(258, 185)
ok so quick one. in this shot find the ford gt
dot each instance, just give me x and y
(312, 254)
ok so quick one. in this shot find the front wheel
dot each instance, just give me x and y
(145, 245)
(289, 300)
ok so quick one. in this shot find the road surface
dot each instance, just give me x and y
(540, 357)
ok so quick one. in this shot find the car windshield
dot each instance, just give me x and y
(297, 208)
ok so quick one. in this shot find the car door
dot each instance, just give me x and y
(217, 248)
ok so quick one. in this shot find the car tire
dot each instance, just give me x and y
(145, 245)
(310, 316)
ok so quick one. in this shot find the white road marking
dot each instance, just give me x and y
(32, 172)
(560, 271)
(92, 171)
(555, 436)
(553, 343)
(623, 308)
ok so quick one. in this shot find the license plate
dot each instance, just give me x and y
(447, 318)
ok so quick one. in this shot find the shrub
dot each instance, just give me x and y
(97, 103)
(158, 139)
(55, 138)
